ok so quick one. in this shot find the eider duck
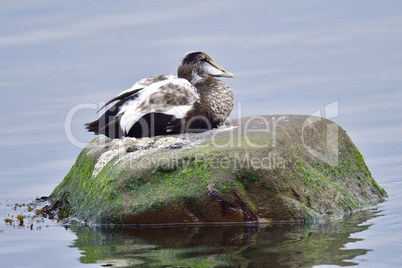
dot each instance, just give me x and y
(165, 104)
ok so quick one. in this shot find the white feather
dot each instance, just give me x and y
(211, 70)
(179, 111)
(133, 110)
(145, 82)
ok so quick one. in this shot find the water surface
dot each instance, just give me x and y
(288, 57)
(369, 238)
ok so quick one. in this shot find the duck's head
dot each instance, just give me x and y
(198, 66)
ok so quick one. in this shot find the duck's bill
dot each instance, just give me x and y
(216, 70)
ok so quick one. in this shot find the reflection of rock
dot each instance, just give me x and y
(288, 168)
(279, 245)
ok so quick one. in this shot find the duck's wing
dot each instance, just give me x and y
(138, 86)
(171, 97)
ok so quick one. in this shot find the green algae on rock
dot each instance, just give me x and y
(255, 169)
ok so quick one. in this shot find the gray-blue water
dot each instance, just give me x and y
(60, 60)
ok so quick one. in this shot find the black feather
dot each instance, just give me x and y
(120, 97)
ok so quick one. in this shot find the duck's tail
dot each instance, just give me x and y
(108, 127)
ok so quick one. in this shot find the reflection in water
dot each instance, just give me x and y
(279, 245)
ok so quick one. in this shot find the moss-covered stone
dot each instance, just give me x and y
(279, 168)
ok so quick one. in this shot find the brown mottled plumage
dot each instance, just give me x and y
(166, 104)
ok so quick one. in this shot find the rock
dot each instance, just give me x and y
(255, 169)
